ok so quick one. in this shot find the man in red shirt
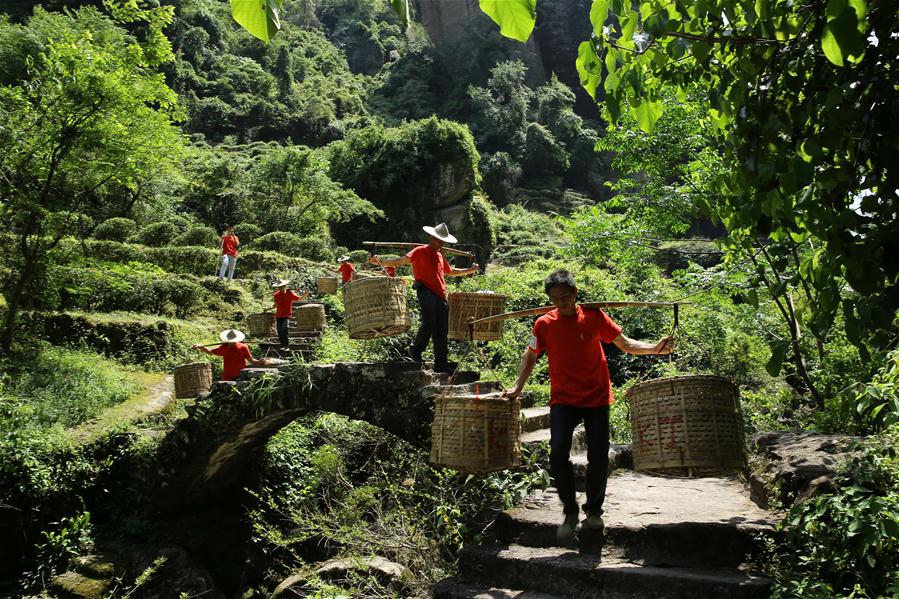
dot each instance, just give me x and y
(229, 253)
(283, 307)
(580, 390)
(346, 269)
(236, 355)
(429, 269)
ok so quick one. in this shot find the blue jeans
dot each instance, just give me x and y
(562, 422)
(228, 264)
(283, 326)
(434, 325)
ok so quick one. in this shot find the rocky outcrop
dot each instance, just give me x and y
(391, 574)
(788, 467)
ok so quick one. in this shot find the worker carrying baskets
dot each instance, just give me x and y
(430, 269)
(580, 390)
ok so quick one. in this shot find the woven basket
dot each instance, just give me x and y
(463, 306)
(327, 285)
(686, 425)
(261, 324)
(192, 379)
(375, 307)
(476, 435)
(309, 317)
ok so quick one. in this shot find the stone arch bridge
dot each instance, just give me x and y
(206, 457)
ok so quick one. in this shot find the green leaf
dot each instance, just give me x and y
(259, 17)
(515, 18)
(778, 354)
(401, 8)
(599, 12)
(589, 68)
(843, 36)
(647, 113)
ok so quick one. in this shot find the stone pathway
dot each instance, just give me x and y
(157, 397)
(665, 538)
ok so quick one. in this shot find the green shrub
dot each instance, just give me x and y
(247, 232)
(193, 260)
(291, 244)
(115, 229)
(181, 223)
(279, 241)
(115, 251)
(198, 235)
(846, 543)
(315, 248)
(156, 235)
(359, 257)
(347, 487)
(133, 287)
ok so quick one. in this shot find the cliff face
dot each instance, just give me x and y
(561, 26)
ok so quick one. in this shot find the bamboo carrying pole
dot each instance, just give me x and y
(403, 244)
(544, 309)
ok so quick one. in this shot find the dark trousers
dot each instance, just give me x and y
(562, 421)
(434, 324)
(283, 325)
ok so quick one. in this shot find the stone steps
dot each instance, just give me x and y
(534, 439)
(461, 589)
(88, 577)
(564, 572)
(534, 419)
(651, 520)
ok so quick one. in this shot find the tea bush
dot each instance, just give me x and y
(115, 229)
(137, 287)
(247, 232)
(198, 235)
(157, 234)
(283, 242)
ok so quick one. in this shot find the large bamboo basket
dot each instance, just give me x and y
(327, 285)
(309, 317)
(476, 434)
(192, 379)
(463, 306)
(686, 425)
(375, 307)
(261, 325)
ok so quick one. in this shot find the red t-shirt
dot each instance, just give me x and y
(229, 245)
(428, 266)
(390, 270)
(346, 271)
(284, 303)
(578, 371)
(235, 356)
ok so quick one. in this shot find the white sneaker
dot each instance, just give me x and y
(565, 532)
(594, 523)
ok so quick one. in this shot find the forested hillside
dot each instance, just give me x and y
(133, 132)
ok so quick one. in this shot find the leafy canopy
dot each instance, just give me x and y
(800, 103)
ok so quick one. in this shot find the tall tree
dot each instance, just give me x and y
(801, 99)
(86, 128)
